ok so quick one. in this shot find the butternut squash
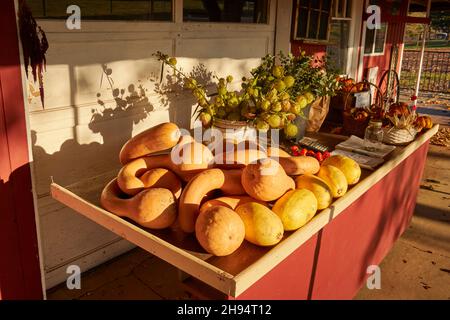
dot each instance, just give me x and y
(243, 153)
(129, 174)
(295, 166)
(132, 180)
(190, 157)
(156, 139)
(195, 191)
(231, 202)
(274, 152)
(219, 230)
(232, 185)
(153, 208)
(266, 180)
(162, 178)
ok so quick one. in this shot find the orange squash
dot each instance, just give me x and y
(159, 138)
(231, 202)
(423, 122)
(242, 154)
(189, 157)
(219, 230)
(162, 178)
(266, 180)
(128, 176)
(195, 191)
(153, 208)
(274, 152)
(294, 166)
(140, 179)
(232, 184)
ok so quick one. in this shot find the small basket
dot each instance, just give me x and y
(354, 126)
(397, 136)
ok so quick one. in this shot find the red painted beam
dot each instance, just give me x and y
(20, 276)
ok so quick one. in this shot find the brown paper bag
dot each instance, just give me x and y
(317, 114)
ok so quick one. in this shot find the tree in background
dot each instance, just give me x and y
(440, 21)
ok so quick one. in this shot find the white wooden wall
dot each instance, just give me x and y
(75, 137)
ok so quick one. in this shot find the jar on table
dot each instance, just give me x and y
(373, 136)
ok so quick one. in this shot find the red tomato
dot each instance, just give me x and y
(294, 148)
(326, 154)
(295, 153)
(310, 153)
(319, 156)
(303, 152)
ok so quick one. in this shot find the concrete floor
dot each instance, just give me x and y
(417, 267)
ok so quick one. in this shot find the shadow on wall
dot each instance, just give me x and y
(131, 107)
(113, 121)
(168, 91)
(113, 118)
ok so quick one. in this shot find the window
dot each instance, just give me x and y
(312, 20)
(157, 10)
(375, 40)
(418, 8)
(394, 7)
(388, 7)
(240, 11)
(337, 47)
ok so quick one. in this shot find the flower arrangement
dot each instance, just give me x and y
(275, 94)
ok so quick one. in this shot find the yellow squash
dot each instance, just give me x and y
(262, 226)
(349, 167)
(335, 179)
(317, 186)
(296, 208)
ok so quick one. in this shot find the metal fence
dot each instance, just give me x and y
(435, 71)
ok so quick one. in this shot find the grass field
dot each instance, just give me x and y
(438, 45)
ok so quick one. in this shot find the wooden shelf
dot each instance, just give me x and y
(235, 273)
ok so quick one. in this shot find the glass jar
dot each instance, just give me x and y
(373, 136)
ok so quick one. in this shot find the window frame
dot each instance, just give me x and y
(311, 40)
(176, 18)
(268, 17)
(372, 53)
(87, 20)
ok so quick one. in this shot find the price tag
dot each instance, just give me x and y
(362, 99)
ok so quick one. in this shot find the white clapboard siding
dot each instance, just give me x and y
(79, 133)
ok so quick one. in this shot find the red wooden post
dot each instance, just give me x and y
(20, 276)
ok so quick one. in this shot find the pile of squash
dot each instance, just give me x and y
(254, 195)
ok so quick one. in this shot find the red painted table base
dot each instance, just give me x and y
(333, 264)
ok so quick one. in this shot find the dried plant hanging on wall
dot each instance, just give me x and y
(34, 45)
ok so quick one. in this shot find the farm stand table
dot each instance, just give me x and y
(326, 259)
